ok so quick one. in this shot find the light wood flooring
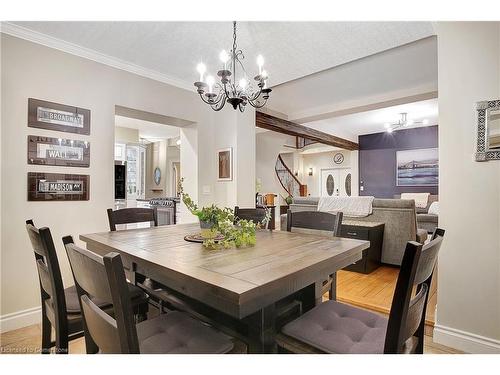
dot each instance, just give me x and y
(373, 292)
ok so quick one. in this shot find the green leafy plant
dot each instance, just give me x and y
(222, 219)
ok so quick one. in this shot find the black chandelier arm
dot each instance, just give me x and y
(255, 95)
(217, 108)
(257, 104)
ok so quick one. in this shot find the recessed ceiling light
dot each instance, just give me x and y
(387, 125)
(389, 130)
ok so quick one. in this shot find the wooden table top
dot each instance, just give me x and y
(243, 279)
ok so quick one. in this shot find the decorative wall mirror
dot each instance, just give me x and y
(157, 176)
(488, 130)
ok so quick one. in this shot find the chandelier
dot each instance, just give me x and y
(236, 92)
(403, 122)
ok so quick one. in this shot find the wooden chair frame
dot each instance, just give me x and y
(132, 216)
(52, 288)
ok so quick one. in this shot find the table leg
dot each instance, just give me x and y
(262, 331)
(332, 293)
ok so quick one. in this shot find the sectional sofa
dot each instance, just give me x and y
(399, 217)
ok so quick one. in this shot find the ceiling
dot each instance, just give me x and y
(147, 129)
(351, 126)
(397, 70)
(291, 49)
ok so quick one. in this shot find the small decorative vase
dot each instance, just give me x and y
(207, 229)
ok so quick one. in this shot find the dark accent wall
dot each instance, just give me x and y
(377, 160)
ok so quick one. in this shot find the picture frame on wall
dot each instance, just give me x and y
(418, 167)
(58, 152)
(225, 164)
(58, 117)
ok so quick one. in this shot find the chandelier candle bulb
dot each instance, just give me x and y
(224, 57)
(260, 63)
(201, 68)
(210, 83)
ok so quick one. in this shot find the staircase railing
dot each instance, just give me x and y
(288, 181)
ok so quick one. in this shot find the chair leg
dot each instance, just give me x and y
(61, 340)
(332, 293)
(46, 334)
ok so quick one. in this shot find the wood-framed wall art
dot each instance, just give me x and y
(58, 117)
(51, 187)
(225, 164)
(58, 151)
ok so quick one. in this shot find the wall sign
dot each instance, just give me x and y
(58, 151)
(59, 117)
(58, 186)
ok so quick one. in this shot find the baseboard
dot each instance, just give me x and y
(465, 341)
(20, 319)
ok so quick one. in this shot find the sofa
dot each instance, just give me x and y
(425, 220)
(399, 217)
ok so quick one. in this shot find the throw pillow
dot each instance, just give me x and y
(434, 208)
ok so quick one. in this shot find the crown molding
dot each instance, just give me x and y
(89, 54)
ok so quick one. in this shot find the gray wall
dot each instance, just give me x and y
(377, 160)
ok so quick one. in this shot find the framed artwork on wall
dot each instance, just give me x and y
(51, 187)
(58, 117)
(225, 164)
(418, 167)
(58, 151)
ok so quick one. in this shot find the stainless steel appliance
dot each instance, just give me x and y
(166, 208)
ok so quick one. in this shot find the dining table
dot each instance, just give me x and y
(239, 289)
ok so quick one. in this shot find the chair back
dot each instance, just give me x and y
(257, 215)
(103, 278)
(132, 216)
(49, 273)
(409, 303)
(314, 221)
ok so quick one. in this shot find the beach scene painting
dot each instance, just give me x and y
(417, 167)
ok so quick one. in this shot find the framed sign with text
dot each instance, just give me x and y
(59, 117)
(58, 151)
(58, 187)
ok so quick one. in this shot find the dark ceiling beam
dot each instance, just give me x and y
(265, 121)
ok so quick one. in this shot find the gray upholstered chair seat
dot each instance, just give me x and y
(178, 333)
(73, 306)
(334, 327)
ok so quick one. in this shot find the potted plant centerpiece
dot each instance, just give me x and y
(217, 224)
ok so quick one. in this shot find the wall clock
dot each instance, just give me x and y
(338, 158)
(157, 176)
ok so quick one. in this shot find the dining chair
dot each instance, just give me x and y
(132, 215)
(257, 215)
(334, 327)
(60, 306)
(161, 297)
(104, 278)
(317, 222)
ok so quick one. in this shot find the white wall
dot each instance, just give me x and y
(468, 307)
(324, 160)
(126, 135)
(268, 146)
(32, 70)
